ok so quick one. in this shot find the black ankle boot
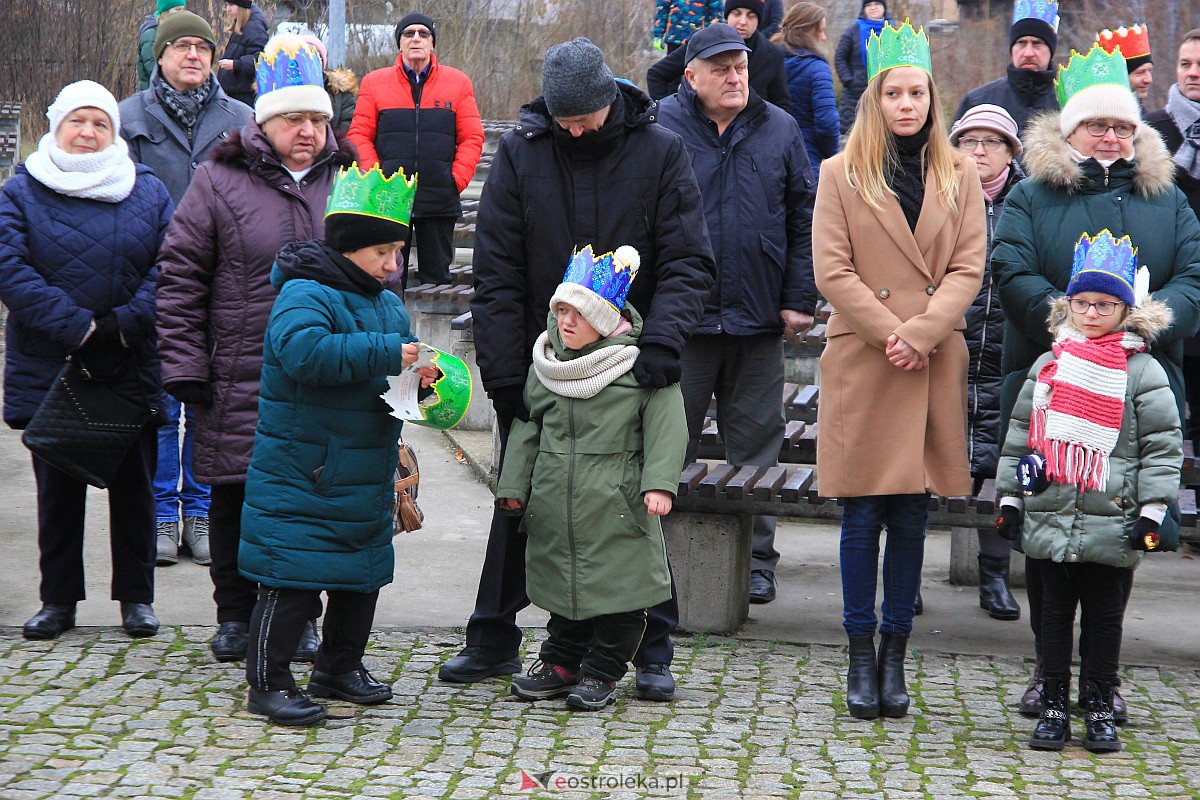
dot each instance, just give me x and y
(1053, 729)
(994, 595)
(862, 681)
(893, 693)
(1101, 728)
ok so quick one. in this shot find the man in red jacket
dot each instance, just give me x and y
(421, 115)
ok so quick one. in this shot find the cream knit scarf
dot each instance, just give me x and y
(583, 377)
(107, 176)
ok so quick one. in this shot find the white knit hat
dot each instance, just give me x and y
(1102, 101)
(83, 94)
(289, 77)
(599, 313)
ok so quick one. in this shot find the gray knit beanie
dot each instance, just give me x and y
(575, 79)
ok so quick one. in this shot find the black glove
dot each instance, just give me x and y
(106, 334)
(1008, 524)
(509, 402)
(192, 393)
(1144, 535)
(102, 356)
(656, 367)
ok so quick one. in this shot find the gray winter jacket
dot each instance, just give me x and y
(159, 141)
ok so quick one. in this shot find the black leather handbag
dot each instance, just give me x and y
(83, 427)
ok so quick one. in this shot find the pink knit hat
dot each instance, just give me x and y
(990, 118)
(318, 45)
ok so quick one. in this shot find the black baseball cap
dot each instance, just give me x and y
(716, 38)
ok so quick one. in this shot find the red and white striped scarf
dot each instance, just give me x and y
(1078, 403)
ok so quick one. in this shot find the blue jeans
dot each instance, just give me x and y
(905, 516)
(167, 494)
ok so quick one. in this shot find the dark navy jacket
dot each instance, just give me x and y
(244, 49)
(65, 261)
(810, 83)
(758, 195)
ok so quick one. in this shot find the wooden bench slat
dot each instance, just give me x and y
(985, 501)
(690, 478)
(796, 485)
(715, 480)
(742, 482)
(769, 483)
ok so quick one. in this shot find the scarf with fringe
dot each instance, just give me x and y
(107, 176)
(582, 377)
(1078, 404)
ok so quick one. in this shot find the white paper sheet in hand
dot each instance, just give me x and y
(451, 391)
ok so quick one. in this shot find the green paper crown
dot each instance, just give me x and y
(1097, 68)
(370, 194)
(898, 47)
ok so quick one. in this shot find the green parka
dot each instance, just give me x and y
(1044, 217)
(1067, 525)
(580, 466)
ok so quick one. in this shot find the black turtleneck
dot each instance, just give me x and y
(907, 178)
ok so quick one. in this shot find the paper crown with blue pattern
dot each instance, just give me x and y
(1042, 10)
(897, 46)
(598, 287)
(1106, 264)
(289, 79)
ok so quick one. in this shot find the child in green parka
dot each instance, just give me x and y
(1090, 464)
(594, 467)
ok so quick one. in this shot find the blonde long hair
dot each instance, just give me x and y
(237, 20)
(871, 149)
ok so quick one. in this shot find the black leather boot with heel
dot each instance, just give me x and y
(893, 692)
(1053, 729)
(1100, 734)
(995, 596)
(862, 681)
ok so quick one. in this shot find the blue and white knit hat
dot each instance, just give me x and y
(289, 79)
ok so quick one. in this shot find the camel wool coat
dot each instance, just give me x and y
(884, 430)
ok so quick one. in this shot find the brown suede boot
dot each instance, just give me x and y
(1031, 701)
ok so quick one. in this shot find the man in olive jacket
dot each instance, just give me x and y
(585, 165)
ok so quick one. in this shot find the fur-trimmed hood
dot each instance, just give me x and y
(1047, 158)
(341, 80)
(1148, 320)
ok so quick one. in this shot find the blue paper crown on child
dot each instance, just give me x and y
(291, 66)
(1044, 10)
(609, 276)
(1105, 264)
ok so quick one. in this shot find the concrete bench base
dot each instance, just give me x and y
(710, 559)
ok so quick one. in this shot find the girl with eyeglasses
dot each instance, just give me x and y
(1083, 176)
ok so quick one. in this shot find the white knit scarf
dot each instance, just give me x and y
(583, 377)
(107, 176)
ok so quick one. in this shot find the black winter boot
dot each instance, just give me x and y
(1053, 729)
(994, 595)
(1101, 728)
(862, 682)
(893, 693)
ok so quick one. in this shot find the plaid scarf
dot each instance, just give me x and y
(1078, 404)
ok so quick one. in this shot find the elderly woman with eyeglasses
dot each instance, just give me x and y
(266, 186)
(1093, 165)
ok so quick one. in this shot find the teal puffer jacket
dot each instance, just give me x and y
(319, 489)
(581, 467)
(1067, 525)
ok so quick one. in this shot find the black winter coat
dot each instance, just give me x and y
(985, 345)
(768, 76)
(1022, 93)
(546, 194)
(244, 49)
(1173, 139)
(852, 72)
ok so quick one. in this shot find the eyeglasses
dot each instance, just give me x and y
(969, 144)
(183, 48)
(1123, 130)
(416, 33)
(1105, 308)
(298, 118)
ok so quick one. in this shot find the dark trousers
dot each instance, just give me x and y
(61, 506)
(278, 620)
(746, 375)
(1100, 593)
(234, 595)
(600, 647)
(863, 518)
(1034, 567)
(1191, 386)
(501, 591)
(434, 239)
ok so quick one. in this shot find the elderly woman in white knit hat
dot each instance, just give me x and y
(265, 187)
(80, 229)
(1091, 166)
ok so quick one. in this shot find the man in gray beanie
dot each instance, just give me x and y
(585, 165)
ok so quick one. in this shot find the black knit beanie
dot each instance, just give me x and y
(416, 18)
(1033, 27)
(346, 233)
(752, 5)
(865, 3)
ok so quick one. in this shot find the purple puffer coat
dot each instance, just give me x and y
(214, 286)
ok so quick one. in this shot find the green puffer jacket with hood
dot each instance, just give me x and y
(581, 466)
(1068, 525)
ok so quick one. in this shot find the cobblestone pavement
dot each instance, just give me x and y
(95, 714)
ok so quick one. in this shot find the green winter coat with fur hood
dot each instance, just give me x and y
(1044, 216)
(581, 466)
(1067, 525)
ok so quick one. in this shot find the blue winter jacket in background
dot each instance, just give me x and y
(814, 105)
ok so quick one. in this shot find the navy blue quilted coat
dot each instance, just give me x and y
(65, 260)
